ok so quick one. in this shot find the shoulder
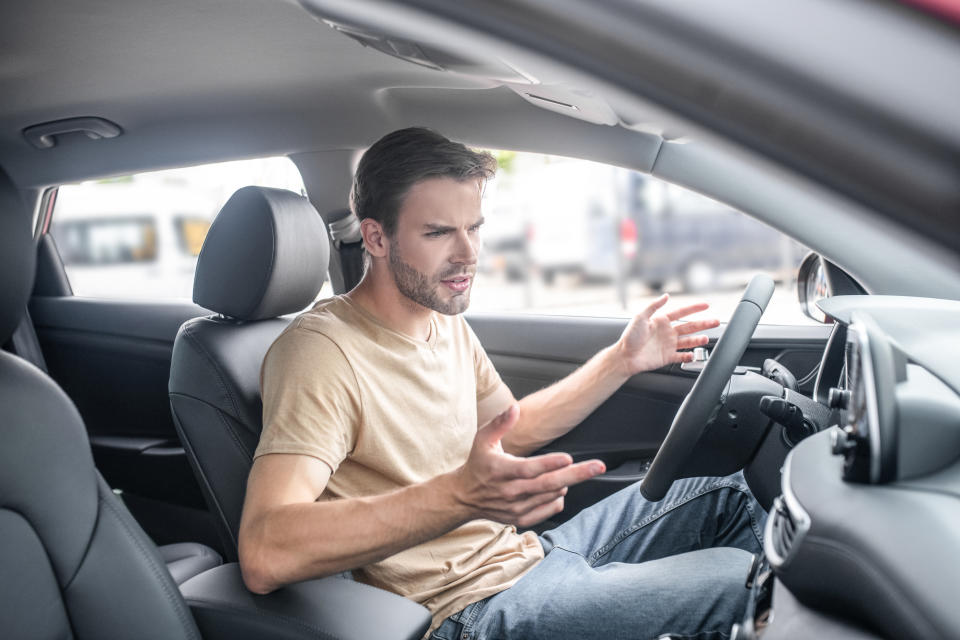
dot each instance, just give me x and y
(314, 339)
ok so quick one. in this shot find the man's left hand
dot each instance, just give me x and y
(652, 340)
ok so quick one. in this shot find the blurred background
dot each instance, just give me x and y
(561, 236)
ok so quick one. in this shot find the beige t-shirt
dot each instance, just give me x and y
(385, 411)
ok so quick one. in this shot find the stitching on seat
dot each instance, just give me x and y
(213, 363)
(233, 432)
(86, 550)
(203, 476)
(183, 613)
(294, 622)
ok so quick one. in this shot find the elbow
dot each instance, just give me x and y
(255, 565)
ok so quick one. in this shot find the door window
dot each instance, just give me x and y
(572, 237)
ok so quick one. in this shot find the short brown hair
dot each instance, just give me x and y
(399, 160)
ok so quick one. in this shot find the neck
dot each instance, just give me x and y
(378, 295)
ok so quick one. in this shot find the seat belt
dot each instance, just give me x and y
(348, 244)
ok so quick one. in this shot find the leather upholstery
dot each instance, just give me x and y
(73, 562)
(326, 608)
(185, 560)
(266, 254)
(215, 398)
(17, 258)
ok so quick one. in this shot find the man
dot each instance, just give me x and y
(371, 458)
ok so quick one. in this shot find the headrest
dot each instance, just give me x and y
(17, 258)
(265, 255)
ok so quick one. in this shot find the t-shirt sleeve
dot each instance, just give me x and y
(488, 380)
(311, 400)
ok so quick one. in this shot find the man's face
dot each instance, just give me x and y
(433, 252)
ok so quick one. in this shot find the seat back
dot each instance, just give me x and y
(265, 255)
(73, 562)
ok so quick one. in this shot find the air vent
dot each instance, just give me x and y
(783, 533)
(784, 530)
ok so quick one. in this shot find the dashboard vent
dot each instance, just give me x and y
(783, 532)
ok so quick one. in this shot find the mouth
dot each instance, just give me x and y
(458, 284)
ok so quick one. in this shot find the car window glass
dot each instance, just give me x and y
(572, 237)
(138, 236)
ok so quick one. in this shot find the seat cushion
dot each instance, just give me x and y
(188, 559)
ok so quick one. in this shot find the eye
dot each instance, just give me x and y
(475, 228)
(434, 234)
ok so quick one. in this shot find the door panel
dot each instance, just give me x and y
(113, 359)
(531, 352)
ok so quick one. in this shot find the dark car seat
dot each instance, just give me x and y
(184, 560)
(73, 561)
(265, 255)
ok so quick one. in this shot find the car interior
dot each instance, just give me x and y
(130, 424)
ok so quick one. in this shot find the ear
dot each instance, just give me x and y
(374, 239)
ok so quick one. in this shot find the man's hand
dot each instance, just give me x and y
(505, 488)
(651, 340)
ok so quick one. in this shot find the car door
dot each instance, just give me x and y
(531, 352)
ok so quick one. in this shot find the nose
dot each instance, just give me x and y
(466, 249)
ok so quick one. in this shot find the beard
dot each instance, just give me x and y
(422, 289)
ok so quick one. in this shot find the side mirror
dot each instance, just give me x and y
(818, 278)
(812, 286)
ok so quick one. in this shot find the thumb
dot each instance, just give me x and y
(492, 432)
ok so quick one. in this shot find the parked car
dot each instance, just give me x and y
(831, 121)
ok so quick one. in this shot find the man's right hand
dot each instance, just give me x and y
(498, 486)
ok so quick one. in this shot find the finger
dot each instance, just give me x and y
(696, 325)
(683, 356)
(537, 465)
(492, 432)
(529, 504)
(682, 312)
(655, 305)
(541, 513)
(689, 342)
(556, 480)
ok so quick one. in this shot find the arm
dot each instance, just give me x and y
(286, 536)
(650, 341)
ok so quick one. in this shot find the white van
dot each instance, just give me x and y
(132, 239)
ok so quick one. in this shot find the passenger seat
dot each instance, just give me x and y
(184, 560)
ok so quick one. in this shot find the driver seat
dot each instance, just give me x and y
(265, 255)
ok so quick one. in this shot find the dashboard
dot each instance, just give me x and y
(867, 528)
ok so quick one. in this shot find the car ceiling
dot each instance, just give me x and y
(191, 82)
(196, 81)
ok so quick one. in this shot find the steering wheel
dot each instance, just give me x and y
(693, 415)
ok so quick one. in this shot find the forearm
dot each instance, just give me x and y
(551, 412)
(294, 542)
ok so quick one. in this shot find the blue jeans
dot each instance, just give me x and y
(629, 568)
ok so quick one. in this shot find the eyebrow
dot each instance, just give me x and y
(429, 226)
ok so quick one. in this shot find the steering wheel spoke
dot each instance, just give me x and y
(696, 409)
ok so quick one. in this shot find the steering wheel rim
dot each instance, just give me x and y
(691, 419)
